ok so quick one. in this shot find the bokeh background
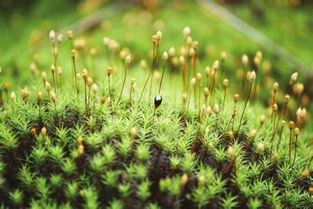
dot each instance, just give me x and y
(287, 24)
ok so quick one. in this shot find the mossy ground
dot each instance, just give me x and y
(62, 149)
(56, 153)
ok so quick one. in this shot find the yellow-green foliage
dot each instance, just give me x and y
(182, 139)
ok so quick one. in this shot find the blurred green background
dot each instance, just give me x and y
(25, 25)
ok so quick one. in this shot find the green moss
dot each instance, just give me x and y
(89, 150)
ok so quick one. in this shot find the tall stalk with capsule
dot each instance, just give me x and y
(158, 98)
(127, 62)
(251, 78)
(156, 38)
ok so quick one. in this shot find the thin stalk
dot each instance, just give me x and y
(160, 86)
(130, 96)
(54, 81)
(243, 79)
(285, 111)
(162, 76)
(56, 69)
(188, 103)
(183, 69)
(75, 73)
(275, 124)
(193, 62)
(212, 87)
(188, 72)
(232, 119)
(245, 106)
(150, 74)
(207, 78)
(124, 80)
(85, 95)
(224, 99)
(295, 155)
(144, 87)
(154, 60)
(60, 81)
(109, 81)
(193, 71)
(273, 102)
(55, 57)
(206, 100)
(92, 69)
(199, 96)
(280, 135)
(89, 97)
(290, 138)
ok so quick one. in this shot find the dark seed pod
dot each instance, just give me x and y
(157, 101)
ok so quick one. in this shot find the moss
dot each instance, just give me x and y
(95, 149)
